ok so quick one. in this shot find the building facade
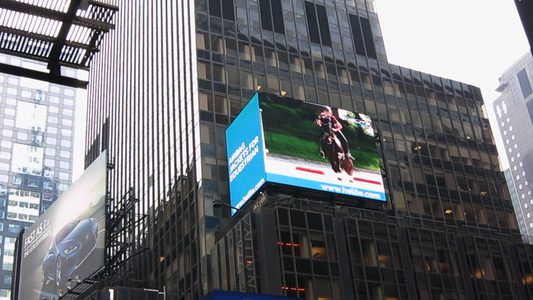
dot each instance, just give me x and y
(514, 114)
(36, 156)
(175, 74)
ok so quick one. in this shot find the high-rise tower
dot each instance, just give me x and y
(36, 156)
(514, 114)
(175, 74)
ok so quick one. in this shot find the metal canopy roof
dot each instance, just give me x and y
(58, 32)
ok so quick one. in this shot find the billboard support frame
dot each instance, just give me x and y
(123, 221)
(384, 167)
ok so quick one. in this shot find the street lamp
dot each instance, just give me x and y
(218, 203)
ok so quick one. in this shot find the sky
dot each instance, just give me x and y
(471, 41)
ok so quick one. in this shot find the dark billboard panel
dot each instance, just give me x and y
(67, 243)
(225, 295)
(305, 145)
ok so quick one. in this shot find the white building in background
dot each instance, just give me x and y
(36, 153)
(514, 114)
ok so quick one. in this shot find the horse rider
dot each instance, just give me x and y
(329, 123)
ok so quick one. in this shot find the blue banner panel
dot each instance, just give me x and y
(224, 295)
(245, 148)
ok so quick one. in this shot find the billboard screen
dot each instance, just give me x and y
(320, 147)
(68, 240)
(305, 145)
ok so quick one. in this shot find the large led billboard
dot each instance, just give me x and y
(68, 241)
(296, 143)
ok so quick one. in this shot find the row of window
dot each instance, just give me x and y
(282, 60)
(317, 23)
(25, 94)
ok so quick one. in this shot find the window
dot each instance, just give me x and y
(10, 112)
(7, 133)
(363, 37)
(5, 144)
(66, 122)
(271, 10)
(14, 228)
(66, 132)
(529, 106)
(317, 20)
(525, 85)
(222, 8)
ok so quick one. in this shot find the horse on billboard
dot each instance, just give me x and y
(334, 144)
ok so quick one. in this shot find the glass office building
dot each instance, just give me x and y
(514, 116)
(175, 74)
(36, 154)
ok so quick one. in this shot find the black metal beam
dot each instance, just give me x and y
(52, 78)
(45, 38)
(56, 51)
(53, 64)
(54, 14)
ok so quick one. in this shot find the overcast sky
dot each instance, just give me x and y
(472, 41)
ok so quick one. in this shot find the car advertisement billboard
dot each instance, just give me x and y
(67, 243)
(305, 145)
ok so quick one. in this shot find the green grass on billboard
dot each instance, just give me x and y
(290, 129)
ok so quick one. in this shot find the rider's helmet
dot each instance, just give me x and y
(327, 109)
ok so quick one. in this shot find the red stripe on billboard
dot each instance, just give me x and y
(310, 170)
(368, 181)
(322, 173)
